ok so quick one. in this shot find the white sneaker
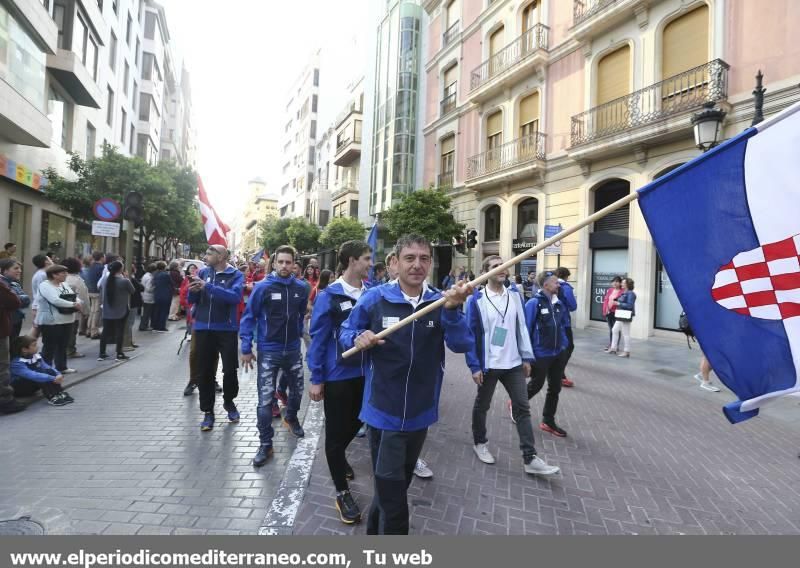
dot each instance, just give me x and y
(483, 453)
(68, 371)
(709, 386)
(539, 467)
(422, 470)
(699, 377)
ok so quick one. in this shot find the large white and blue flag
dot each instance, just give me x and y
(727, 227)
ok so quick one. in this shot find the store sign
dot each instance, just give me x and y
(104, 229)
(549, 232)
(521, 245)
(20, 173)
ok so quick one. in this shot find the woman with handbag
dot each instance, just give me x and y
(609, 307)
(75, 281)
(116, 294)
(623, 314)
(55, 316)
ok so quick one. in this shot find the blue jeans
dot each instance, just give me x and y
(269, 364)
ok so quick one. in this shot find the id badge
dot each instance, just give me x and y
(499, 336)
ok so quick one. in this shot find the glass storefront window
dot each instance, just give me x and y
(54, 234)
(22, 63)
(528, 219)
(85, 243)
(668, 307)
(606, 264)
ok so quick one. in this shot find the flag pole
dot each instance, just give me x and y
(505, 266)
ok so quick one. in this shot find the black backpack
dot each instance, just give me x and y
(686, 328)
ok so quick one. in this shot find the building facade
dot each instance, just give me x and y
(72, 77)
(320, 194)
(299, 143)
(541, 112)
(259, 205)
(344, 179)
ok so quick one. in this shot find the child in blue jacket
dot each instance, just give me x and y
(30, 373)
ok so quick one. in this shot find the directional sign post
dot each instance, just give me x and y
(105, 229)
(106, 209)
(552, 231)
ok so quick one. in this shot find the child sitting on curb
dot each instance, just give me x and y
(30, 373)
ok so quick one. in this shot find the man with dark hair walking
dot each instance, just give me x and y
(216, 292)
(404, 374)
(339, 382)
(275, 313)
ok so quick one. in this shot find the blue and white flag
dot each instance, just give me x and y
(258, 256)
(372, 241)
(727, 227)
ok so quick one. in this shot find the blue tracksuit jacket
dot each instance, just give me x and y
(274, 313)
(404, 375)
(331, 308)
(546, 325)
(33, 369)
(215, 307)
(566, 293)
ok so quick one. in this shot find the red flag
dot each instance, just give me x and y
(216, 230)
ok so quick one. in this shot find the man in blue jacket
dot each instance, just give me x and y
(566, 294)
(275, 311)
(501, 353)
(339, 382)
(404, 373)
(215, 293)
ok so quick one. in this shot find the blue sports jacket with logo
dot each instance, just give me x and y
(274, 313)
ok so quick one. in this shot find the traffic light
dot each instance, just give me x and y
(458, 243)
(472, 238)
(133, 209)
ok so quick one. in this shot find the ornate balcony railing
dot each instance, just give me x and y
(677, 94)
(519, 151)
(448, 104)
(516, 51)
(445, 180)
(451, 34)
(582, 10)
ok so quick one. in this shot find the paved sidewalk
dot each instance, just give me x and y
(128, 456)
(648, 452)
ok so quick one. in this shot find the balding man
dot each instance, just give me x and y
(215, 293)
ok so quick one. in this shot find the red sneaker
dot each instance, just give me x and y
(282, 397)
(276, 411)
(553, 429)
(565, 382)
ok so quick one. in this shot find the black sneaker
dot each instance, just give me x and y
(122, 357)
(12, 406)
(294, 427)
(348, 510)
(217, 387)
(553, 429)
(57, 400)
(67, 397)
(190, 388)
(262, 455)
(102, 357)
(349, 474)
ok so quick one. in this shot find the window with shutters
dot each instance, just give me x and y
(495, 46)
(530, 16)
(447, 162)
(604, 196)
(613, 82)
(491, 224)
(494, 139)
(450, 88)
(684, 47)
(529, 115)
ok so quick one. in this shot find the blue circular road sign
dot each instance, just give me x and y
(107, 209)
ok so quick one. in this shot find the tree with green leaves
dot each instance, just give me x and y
(273, 232)
(340, 230)
(424, 212)
(303, 236)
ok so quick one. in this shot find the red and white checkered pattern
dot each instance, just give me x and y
(763, 283)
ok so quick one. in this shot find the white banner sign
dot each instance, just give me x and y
(105, 229)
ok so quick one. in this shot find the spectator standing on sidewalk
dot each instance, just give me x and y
(162, 297)
(9, 303)
(622, 327)
(9, 251)
(94, 272)
(41, 262)
(609, 306)
(339, 382)
(136, 304)
(404, 374)
(116, 293)
(501, 353)
(176, 276)
(147, 298)
(11, 272)
(75, 282)
(55, 316)
(275, 315)
(566, 294)
(546, 317)
(215, 294)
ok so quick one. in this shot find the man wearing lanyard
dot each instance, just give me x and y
(502, 353)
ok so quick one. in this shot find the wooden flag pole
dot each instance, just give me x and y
(505, 266)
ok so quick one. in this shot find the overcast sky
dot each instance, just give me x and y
(243, 55)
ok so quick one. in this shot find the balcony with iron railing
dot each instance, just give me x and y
(342, 189)
(445, 180)
(451, 34)
(592, 17)
(348, 141)
(448, 104)
(658, 112)
(507, 161)
(511, 64)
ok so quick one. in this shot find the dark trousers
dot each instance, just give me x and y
(73, 338)
(552, 370)
(209, 347)
(570, 348)
(611, 319)
(158, 315)
(113, 331)
(54, 344)
(16, 329)
(513, 380)
(342, 405)
(193, 368)
(394, 455)
(147, 312)
(6, 392)
(24, 387)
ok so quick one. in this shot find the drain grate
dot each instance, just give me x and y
(669, 373)
(23, 526)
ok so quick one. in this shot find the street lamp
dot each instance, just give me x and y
(707, 126)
